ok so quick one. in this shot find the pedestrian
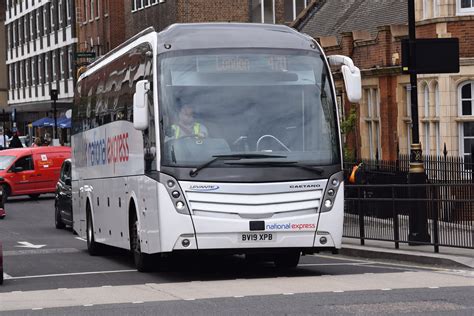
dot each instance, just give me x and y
(37, 142)
(15, 142)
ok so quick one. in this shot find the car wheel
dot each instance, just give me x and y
(143, 262)
(92, 246)
(287, 260)
(34, 196)
(58, 219)
(6, 193)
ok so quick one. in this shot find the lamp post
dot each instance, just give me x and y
(54, 97)
(418, 230)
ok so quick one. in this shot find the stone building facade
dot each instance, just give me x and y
(40, 56)
(3, 66)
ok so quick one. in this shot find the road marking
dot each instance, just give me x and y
(137, 302)
(37, 308)
(27, 252)
(6, 276)
(25, 244)
(81, 239)
(334, 264)
(288, 293)
(106, 285)
(387, 289)
(88, 305)
(189, 299)
(238, 296)
(433, 287)
(338, 291)
(69, 274)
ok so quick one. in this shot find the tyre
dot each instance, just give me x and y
(92, 246)
(6, 193)
(143, 261)
(58, 219)
(34, 196)
(287, 260)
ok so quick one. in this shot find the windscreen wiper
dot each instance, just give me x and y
(295, 164)
(240, 156)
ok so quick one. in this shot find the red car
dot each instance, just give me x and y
(31, 171)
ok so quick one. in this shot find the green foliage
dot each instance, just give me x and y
(349, 122)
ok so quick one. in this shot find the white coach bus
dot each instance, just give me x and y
(211, 137)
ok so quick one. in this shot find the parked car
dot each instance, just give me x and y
(31, 171)
(63, 200)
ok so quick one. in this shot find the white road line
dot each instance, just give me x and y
(339, 291)
(334, 264)
(238, 296)
(88, 305)
(433, 287)
(6, 276)
(81, 239)
(189, 299)
(137, 302)
(68, 274)
(288, 293)
(37, 308)
(387, 289)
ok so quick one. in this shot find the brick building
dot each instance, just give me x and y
(140, 14)
(100, 25)
(370, 34)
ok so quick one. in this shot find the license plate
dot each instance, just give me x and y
(257, 237)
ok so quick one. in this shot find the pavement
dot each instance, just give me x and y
(372, 249)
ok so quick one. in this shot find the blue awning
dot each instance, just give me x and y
(64, 122)
(45, 121)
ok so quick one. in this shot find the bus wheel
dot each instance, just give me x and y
(143, 261)
(92, 246)
(287, 260)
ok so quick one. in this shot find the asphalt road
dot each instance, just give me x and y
(61, 278)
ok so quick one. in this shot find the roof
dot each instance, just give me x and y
(333, 17)
(34, 150)
(231, 35)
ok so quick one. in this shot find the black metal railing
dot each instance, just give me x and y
(384, 211)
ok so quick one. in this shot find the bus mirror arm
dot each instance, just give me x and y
(351, 74)
(140, 105)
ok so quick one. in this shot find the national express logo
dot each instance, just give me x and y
(111, 151)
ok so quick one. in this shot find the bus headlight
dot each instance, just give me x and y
(170, 183)
(332, 187)
(175, 194)
(328, 203)
(180, 205)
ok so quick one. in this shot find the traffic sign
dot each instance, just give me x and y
(85, 55)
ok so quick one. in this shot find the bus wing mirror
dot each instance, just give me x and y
(351, 74)
(140, 105)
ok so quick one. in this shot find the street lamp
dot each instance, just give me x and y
(54, 97)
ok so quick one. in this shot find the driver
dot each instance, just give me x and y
(187, 125)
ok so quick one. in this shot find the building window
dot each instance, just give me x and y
(465, 7)
(91, 7)
(263, 11)
(372, 123)
(466, 111)
(293, 8)
(97, 9)
(426, 122)
(407, 119)
(436, 7)
(436, 121)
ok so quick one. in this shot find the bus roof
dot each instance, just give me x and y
(231, 35)
(182, 36)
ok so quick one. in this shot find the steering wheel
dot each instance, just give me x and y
(275, 139)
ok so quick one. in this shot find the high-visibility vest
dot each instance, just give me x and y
(177, 130)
